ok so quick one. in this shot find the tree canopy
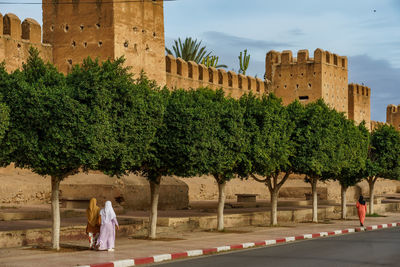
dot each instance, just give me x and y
(383, 158)
(46, 123)
(99, 117)
(268, 132)
(51, 132)
(131, 111)
(317, 144)
(318, 139)
(355, 141)
(4, 109)
(202, 135)
(384, 153)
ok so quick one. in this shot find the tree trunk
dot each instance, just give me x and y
(314, 199)
(274, 187)
(55, 212)
(155, 192)
(221, 203)
(344, 201)
(274, 206)
(371, 183)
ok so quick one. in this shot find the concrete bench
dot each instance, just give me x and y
(74, 203)
(246, 197)
(377, 199)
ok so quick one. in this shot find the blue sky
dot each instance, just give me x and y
(366, 31)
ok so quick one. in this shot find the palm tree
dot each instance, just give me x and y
(189, 50)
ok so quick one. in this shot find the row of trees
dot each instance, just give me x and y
(99, 118)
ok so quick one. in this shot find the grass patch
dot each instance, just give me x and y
(375, 215)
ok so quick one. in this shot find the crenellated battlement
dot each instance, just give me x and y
(359, 104)
(393, 109)
(182, 74)
(357, 89)
(376, 124)
(135, 30)
(16, 38)
(29, 30)
(320, 56)
(308, 78)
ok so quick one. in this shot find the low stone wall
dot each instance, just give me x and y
(139, 226)
(130, 192)
(205, 188)
(20, 238)
(21, 187)
(24, 187)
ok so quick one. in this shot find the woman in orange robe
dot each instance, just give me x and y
(93, 224)
(362, 209)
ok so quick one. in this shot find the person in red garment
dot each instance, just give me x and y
(362, 209)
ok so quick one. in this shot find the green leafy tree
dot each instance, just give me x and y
(317, 135)
(48, 132)
(189, 50)
(174, 150)
(134, 107)
(354, 144)
(268, 132)
(4, 110)
(383, 158)
(225, 147)
(212, 61)
(154, 166)
(135, 110)
(4, 118)
(151, 122)
(244, 60)
(202, 135)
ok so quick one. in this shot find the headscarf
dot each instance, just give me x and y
(93, 213)
(107, 214)
(361, 200)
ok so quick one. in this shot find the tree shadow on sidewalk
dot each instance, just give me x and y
(63, 248)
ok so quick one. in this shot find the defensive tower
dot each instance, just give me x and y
(107, 29)
(360, 104)
(393, 116)
(308, 79)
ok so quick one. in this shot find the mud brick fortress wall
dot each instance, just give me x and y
(16, 38)
(107, 30)
(182, 74)
(135, 30)
(308, 79)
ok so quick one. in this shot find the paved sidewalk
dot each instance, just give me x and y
(175, 242)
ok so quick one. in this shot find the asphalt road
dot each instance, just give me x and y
(372, 248)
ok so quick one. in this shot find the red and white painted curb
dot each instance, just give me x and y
(200, 252)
